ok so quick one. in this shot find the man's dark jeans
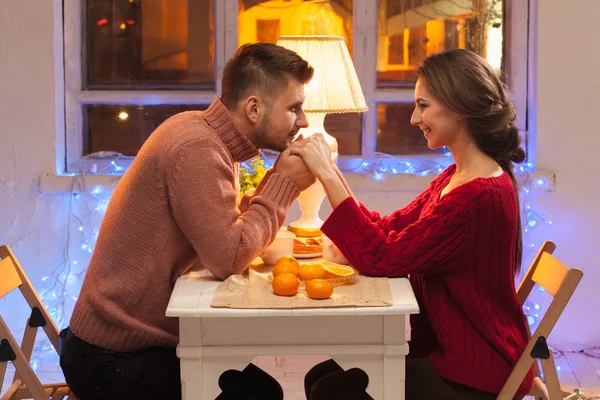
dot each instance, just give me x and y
(94, 373)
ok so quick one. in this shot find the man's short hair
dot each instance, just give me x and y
(264, 68)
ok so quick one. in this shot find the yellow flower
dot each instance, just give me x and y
(249, 177)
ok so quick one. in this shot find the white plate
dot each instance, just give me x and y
(309, 255)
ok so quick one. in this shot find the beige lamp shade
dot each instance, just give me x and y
(335, 87)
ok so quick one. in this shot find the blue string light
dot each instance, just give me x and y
(60, 289)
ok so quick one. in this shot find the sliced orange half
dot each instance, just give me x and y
(333, 271)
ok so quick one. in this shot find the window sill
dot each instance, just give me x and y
(54, 184)
(359, 182)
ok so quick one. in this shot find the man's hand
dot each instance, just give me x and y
(298, 139)
(293, 168)
(316, 154)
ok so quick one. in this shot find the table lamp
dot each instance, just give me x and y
(334, 88)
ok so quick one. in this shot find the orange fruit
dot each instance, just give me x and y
(309, 271)
(285, 284)
(287, 264)
(333, 271)
(319, 289)
(288, 259)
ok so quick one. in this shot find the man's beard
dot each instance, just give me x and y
(266, 141)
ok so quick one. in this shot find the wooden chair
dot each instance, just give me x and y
(26, 384)
(560, 281)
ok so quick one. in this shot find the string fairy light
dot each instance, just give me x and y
(87, 205)
(380, 165)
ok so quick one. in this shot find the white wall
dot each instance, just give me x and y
(33, 224)
(569, 92)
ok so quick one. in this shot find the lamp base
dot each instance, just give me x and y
(310, 199)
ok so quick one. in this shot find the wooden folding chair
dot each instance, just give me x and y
(26, 384)
(560, 281)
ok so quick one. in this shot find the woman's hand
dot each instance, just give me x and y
(315, 152)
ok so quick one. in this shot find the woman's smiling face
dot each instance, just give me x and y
(439, 125)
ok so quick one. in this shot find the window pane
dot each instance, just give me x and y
(410, 30)
(395, 134)
(145, 44)
(346, 128)
(124, 129)
(264, 21)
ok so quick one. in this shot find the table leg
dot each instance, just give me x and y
(192, 370)
(394, 368)
(191, 359)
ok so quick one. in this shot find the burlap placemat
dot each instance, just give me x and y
(253, 290)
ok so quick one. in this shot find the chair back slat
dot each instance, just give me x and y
(9, 277)
(561, 282)
(527, 284)
(31, 296)
(550, 273)
(559, 303)
(27, 384)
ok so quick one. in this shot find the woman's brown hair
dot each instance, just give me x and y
(468, 86)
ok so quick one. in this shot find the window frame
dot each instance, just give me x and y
(517, 24)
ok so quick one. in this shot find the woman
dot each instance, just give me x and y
(459, 240)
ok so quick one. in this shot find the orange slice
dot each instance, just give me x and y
(333, 271)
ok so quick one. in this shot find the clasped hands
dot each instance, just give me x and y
(306, 160)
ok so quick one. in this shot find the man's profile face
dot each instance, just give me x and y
(283, 119)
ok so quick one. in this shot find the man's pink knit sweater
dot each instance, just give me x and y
(175, 206)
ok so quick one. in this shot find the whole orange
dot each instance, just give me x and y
(285, 284)
(287, 264)
(319, 289)
(309, 271)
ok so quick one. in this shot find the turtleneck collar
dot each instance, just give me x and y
(220, 119)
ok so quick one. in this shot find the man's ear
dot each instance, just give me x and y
(252, 109)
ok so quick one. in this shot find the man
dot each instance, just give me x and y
(176, 206)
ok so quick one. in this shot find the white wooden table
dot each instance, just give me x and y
(213, 340)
